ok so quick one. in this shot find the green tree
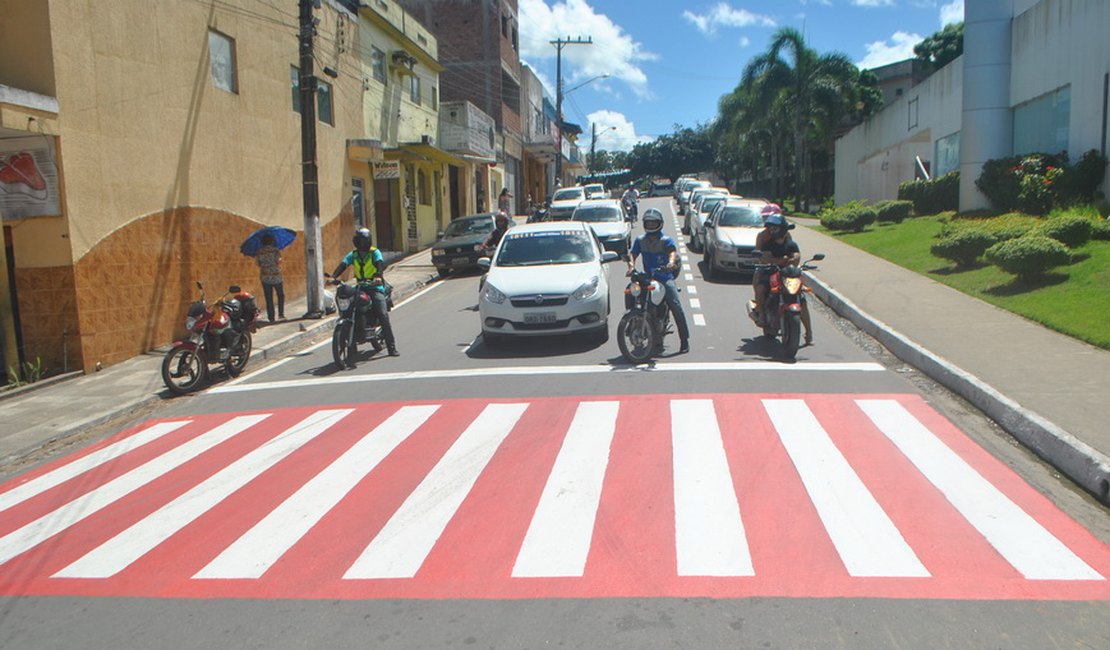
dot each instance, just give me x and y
(943, 47)
(673, 154)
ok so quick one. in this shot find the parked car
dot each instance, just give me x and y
(596, 191)
(660, 187)
(730, 236)
(691, 202)
(564, 201)
(682, 184)
(699, 214)
(608, 221)
(684, 198)
(455, 249)
(546, 278)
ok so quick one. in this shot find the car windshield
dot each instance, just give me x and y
(463, 227)
(710, 202)
(566, 195)
(551, 247)
(599, 189)
(739, 216)
(597, 213)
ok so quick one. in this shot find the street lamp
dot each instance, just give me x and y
(588, 81)
(593, 142)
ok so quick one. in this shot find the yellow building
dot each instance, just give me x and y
(141, 142)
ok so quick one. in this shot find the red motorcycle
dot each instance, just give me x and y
(782, 311)
(217, 333)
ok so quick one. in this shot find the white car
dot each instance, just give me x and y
(608, 221)
(564, 201)
(696, 215)
(546, 278)
(596, 191)
(730, 236)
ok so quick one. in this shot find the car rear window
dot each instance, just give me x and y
(597, 214)
(549, 247)
(739, 216)
(563, 195)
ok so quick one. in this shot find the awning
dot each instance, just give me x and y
(365, 150)
(421, 151)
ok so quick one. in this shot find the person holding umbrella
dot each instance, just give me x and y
(269, 270)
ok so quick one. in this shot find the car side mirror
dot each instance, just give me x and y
(484, 263)
(609, 256)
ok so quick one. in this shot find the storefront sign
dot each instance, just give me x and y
(387, 169)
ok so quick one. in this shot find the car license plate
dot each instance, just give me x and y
(458, 261)
(540, 317)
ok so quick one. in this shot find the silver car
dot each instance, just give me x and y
(730, 235)
(697, 197)
(608, 221)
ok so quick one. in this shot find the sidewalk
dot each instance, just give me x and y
(37, 415)
(1048, 390)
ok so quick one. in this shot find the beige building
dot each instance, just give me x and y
(141, 142)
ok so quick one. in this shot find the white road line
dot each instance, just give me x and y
(689, 277)
(558, 539)
(406, 539)
(62, 474)
(709, 532)
(255, 552)
(118, 553)
(536, 371)
(692, 289)
(695, 303)
(1025, 544)
(699, 320)
(868, 542)
(685, 259)
(58, 520)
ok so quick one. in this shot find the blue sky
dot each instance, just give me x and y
(669, 61)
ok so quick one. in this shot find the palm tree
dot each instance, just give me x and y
(813, 90)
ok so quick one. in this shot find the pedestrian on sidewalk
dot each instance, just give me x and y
(269, 270)
(505, 201)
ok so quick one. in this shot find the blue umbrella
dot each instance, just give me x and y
(282, 238)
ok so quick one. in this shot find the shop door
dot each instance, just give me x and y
(383, 214)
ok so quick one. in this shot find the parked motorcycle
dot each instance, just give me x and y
(218, 333)
(641, 330)
(357, 323)
(782, 313)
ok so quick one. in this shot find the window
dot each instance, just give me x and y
(295, 83)
(377, 62)
(221, 56)
(323, 102)
(947, 155)
(1042, 125)
(435, 98)
(912, 122)
(423, 193)
(516, 42)
(505, 26)
(414, 89)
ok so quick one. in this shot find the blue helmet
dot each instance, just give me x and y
(777, 220)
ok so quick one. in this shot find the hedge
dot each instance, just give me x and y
(1029, 256)
(854, 217)
(893, 211)
(930, 197)
(1071, 231)
(964, 246)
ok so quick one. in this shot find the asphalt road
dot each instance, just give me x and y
(546, 494)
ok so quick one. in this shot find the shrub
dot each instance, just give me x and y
(1029, 256)
(1070, 230)
(1002, 227)
(1100, 230)
(1034, 183)
(893, 211)
(1079, 184)
(931, 197)
(964, 246)
(853, 217)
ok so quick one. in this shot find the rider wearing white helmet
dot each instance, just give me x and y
(661, 261)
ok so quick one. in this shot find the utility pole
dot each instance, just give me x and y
(559, 45)
(593, 145)
(314, 266)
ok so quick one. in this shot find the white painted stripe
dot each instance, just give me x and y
(118, 553)
(685, 259)
(558, 539)
(868, 542)
(530, 371)
(689, 277)
(709, 532)
(255, 552)
(58, 520)
(699, 319)
(1025, 544)
(55, 477)
(404, 542)
(692, 289)
(695, 303)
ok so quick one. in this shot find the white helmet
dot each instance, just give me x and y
(653, 220)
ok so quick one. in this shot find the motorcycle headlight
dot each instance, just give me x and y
(190, 322)
(793, 285)
(494, 295)
(636, 290)
(588, 289)
(342, 303)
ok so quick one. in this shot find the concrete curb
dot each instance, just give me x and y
(1083, 464)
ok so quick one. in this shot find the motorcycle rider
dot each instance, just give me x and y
(369, 268)
(500, 225)
(661, 262)
(778, 248)
(630, 200)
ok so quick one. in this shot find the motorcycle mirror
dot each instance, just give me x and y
(818, 257)
(234, 289)
(200, 285)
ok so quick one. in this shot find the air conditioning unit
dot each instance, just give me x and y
(403, 62)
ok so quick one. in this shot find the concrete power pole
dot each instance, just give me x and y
(314, 267)
(559, 45)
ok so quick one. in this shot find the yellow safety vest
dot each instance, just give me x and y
(365, 269)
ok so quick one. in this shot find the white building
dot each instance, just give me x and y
(1034, 76)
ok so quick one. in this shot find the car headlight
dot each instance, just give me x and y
(588, 289)
(494, 295)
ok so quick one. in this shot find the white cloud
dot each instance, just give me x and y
(953, 12)
(745, 41)
(613, 51)
(827, 3)
(621, 138)
(898, 48)
(724, 15)
(873, 3)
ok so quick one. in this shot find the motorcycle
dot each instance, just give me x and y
(782, 313)
(357, 323)
(631, 208)
(641, 330)
(218, 333)
(539, 213)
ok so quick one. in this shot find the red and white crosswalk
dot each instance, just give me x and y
(625, 496)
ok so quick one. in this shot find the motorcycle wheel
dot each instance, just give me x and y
(183, 371)
(343, 347)
(240, 354)
(377, 342)
(636, 337)
(791, 335)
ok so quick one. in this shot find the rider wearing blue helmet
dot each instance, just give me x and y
(778, 248)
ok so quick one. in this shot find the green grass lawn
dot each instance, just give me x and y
(1072, 299)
